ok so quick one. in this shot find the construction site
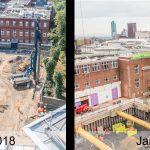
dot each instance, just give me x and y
(112, 101)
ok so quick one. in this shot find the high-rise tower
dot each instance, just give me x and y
(113, 29)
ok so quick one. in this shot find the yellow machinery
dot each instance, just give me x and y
(92, 139)
(134, 119)
(23, 66)
(118, 128)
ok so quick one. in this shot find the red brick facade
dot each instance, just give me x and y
(22, 30)
(97, 76)
(128, 75)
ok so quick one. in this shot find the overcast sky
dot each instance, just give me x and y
(97, 15)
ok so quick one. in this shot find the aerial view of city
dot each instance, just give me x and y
(32, 74)
(112, 75)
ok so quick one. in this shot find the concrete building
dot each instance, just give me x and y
(113, 29)
(17, 23)
(142, 34)
(131, 30)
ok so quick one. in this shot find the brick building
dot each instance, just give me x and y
(96, 81)
(103, 79)
(134, 76)
(18, 24)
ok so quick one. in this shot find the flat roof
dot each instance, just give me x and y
(18, 9)
(49, 132)
(88, 60)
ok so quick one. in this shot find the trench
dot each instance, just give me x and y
(108, 121)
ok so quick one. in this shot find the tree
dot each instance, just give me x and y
(59, 85)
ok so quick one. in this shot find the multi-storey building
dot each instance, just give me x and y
(103, 79)
(131, 30)
(134, 76)
(96, 81)
(18, 24)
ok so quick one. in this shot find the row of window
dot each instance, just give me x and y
(96, 67)
(106, 80)
(26, 33)
(97, 82)
(20, 23)
(23, 41)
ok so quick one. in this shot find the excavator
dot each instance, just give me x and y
(23, 66)
(99, 144)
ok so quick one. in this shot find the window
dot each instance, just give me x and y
(44, 34)
(114, 64)
(97, 82)
(14, 33)
(45, 24)
(26, 33)
(27, 24)
(32, 34)
(20, 33)
(87, 85)
(32, 24)
(8, 33)
(105, 65)
(14, 23)
(77, 86)
(136, 68)
(85, 69)
(2, 22)
(95, 67)
(115, 78)
(2, 32)
(106, 80)
(137, 83)
(8, 40)
(21, 23)
(77, 70)
(7, 23)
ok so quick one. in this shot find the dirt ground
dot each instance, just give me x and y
(11, 120)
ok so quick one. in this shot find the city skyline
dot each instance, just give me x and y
(97, 16)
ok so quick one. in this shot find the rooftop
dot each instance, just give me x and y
(16, 9)
(49, 132)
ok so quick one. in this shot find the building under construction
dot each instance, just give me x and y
(112, 114)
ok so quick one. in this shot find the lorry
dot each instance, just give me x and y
(21, 79)
(82, 108)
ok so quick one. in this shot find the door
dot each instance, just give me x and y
(114, 93)
(94, 99)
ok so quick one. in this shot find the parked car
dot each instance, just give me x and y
(82, 108)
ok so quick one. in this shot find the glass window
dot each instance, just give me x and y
(45, 24)
(115, 78)
(21, 33)
(95, 67)
(97, 82)
(114, 64)
(2, 32)
(2, 22)
(77, 86)
(137, 83)
(136, 68)
(14, 23)
(44, 34)
(27, 24)
(77, 70)
(105, 65)
(87, 85)
(106, 80)
(7, 23)
(85, 69)
(26, 33)
(20, 23)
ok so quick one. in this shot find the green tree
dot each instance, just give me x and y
(59, 85)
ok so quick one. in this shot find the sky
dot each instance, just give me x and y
(93, 17)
